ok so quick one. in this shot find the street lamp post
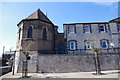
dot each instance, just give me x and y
(3, 56)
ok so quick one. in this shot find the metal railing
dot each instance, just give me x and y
(5, 69)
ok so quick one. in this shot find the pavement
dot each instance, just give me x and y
(105, 74)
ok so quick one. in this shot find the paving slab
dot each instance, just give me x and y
(105, 74)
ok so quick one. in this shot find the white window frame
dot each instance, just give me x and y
(103, 27)
(87, 28)
(74, 45)
(86, 45)
(71, 29)
(106, 43)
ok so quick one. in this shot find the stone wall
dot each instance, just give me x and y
(111, 34)
(72, 63)
(31, 63)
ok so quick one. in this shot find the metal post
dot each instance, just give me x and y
(3, 59)
(3, 51)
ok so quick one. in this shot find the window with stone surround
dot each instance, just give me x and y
(104, 44)
(29, 33)
(72, 45)
(102, 28)
(87, 29)
(71, 29)
(88, 45)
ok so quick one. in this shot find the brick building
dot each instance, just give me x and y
(38, 34)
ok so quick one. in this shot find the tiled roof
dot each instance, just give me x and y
(38, 15)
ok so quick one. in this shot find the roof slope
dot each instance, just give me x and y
(38, 15)
(115, 20)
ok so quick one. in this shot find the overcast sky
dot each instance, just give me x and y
(11, 13)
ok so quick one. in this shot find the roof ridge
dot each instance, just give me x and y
(38, 14)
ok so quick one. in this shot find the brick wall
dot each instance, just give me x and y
(37, 40)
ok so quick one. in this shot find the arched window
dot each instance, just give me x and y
(44, 34)
(104, 44)
(88, 45)
(29, 33)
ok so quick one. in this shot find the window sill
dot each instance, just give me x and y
(104, 48)
(87, 32)
(72, 50)
(102, 31)
(88, 49)
(72, 33)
